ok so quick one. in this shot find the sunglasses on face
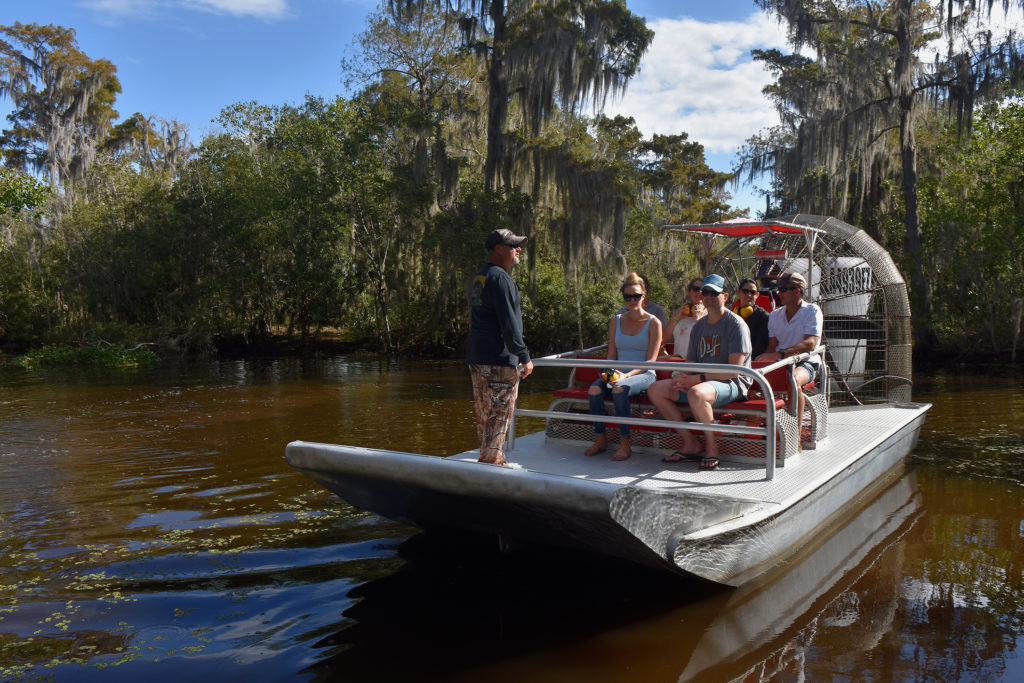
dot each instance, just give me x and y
(632, 297)
(709, 292)
(749, 291)
(788, 288)
(694, 288)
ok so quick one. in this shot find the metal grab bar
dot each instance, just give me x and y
(758, 375)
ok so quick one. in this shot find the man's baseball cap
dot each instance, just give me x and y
(715, 282)
(793, 279)
(504, 236)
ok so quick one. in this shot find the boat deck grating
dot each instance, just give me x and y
(847, 441)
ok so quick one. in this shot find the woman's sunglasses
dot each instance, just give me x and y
(632, 297)
(694, 288)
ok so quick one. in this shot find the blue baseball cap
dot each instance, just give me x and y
(715, 282)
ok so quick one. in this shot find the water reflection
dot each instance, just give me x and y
(547, 619)
(148, 520)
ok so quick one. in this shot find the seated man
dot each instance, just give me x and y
(755, 316)
(795, 328)
(720, 337)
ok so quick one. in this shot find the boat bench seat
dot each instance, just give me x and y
(574, 399)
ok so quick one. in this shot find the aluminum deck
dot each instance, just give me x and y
(808, 470)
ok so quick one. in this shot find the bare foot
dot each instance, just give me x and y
(599, 446)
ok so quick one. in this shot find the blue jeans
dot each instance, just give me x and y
(631, 386)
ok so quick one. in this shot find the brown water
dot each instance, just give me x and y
(150, 527)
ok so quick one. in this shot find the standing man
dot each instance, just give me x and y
(756, 317)
(720, 337)
(795, 328)
(497, 356)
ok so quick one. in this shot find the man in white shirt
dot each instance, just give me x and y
(795, 328)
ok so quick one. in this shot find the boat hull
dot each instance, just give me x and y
(702, 528)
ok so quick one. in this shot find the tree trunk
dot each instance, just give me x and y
(919, 291)
(912, 239)
(497, 98)
(1019, 305)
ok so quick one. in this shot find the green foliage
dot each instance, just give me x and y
(86, 356)
(564, 306)
(20, 191)
(973, 223)
(24, 304)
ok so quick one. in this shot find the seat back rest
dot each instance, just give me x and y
(778, 379)
(667, 374)
(586, 375)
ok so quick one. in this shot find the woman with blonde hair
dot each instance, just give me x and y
(685, 317)
(632, 336)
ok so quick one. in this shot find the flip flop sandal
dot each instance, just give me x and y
(709, 463)
(679, 456)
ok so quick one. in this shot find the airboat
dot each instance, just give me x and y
(784, 478)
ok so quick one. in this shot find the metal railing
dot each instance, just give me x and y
(571, 360)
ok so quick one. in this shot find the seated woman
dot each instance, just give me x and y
(632, 336)
(686, 316)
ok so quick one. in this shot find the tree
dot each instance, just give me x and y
(539, 53)
(63, 101)
(543, 61)
(153, 143)
(972, 199)
(19, 191)
(852, 110)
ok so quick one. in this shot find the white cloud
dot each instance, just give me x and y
(262, 9)
(699, 78)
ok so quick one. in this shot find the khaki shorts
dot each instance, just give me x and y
(495, 388)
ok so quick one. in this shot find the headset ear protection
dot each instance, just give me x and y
(744, 312)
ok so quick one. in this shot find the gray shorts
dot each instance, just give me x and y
(725, 392)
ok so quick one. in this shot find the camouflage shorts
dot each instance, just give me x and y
(494, 398)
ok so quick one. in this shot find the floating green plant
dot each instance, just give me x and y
(88, 356)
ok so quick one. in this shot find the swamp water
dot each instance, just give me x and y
(150, 528)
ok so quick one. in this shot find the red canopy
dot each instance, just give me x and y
(743, 227)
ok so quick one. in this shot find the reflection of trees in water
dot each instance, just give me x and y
(964, 607)
(833, 642)
(946, 604)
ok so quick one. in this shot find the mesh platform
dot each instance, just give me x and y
(732, 447)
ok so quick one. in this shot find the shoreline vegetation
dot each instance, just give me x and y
(367, 213)
(146, 355)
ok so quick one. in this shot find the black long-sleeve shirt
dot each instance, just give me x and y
(496, 322)
(758, 324)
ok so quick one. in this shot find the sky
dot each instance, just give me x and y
(188, 59)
